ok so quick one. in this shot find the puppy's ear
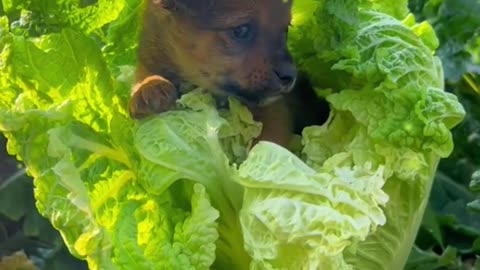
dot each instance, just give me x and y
(167, 4)
(189, 6)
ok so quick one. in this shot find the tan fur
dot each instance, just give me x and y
(190, 41)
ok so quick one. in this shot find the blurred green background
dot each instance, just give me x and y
(450, 234)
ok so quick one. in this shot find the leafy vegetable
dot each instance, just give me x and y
(185, 189)
(287, 202)
(405, 81)
(451, 202)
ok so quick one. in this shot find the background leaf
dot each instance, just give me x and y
(449, 223)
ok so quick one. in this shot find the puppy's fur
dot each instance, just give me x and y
(231, 47)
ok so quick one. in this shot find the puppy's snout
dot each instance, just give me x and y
(286, 74)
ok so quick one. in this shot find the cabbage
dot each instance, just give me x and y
(185, 189)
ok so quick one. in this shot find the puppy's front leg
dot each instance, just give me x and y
(151, 94)
(277, 122)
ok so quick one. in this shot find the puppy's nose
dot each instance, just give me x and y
(286, 74)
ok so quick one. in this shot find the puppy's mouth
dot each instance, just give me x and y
(253, 98)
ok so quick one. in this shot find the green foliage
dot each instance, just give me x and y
(452, 224)
(458, 27)
(22, 227)
(182, 190)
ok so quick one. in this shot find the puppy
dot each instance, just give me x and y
(231, 47)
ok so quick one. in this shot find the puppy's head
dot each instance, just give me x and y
(234, 47)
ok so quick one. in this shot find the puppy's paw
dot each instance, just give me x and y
(153, 95)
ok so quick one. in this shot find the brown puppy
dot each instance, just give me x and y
(232, 47)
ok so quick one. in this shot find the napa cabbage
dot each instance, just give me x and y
(187, 189)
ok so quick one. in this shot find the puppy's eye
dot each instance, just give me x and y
(242, 32)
